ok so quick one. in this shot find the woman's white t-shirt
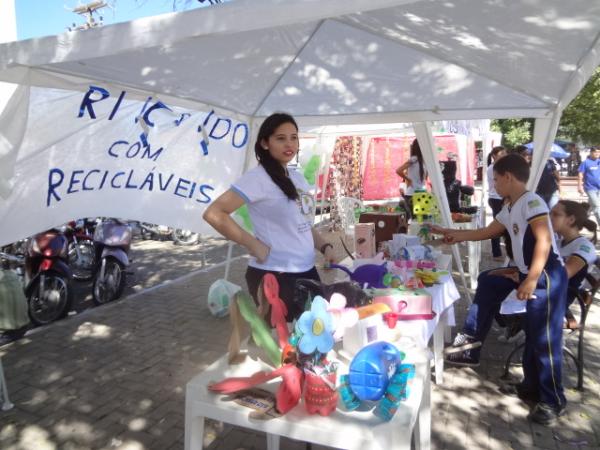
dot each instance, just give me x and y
(284, 225)
(414, 175)
(491, 185)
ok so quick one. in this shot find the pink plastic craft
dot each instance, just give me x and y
(412, 264)
(287, 396)
(320, 395)
(406, 305)
(343, 318)
(278, 308)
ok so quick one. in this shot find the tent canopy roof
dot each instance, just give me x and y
(340, 61)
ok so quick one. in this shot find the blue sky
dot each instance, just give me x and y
(37, 18)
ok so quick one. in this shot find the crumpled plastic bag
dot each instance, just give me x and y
(13, 304)
(220, 296)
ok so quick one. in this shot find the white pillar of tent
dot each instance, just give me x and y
(485, 151)
(324, 144)
(543, 137)
(428, 149)
(249, 162)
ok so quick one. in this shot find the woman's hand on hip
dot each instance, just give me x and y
(260, 251)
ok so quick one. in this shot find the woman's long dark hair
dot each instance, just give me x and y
(273, 167)
(580, 212)
(493, 153)
(415, 150)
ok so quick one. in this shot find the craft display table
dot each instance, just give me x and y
(348, 430)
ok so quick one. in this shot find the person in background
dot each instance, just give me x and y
(281, 208)
(574, 159)
(494, 200)
(414, 174)
(542, 283)
(589, 180)
(548, 186)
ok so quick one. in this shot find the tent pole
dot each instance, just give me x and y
(247, 163)
(486, 149)
(428, 149)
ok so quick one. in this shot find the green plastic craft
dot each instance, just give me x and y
(261, 333)
(310, 171)
(244, 215)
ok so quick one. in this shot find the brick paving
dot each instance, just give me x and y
(114, 378)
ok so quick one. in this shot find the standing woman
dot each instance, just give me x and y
(413, 172)
(494, 199)
(281, 208)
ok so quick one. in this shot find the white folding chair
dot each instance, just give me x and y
(346, 207)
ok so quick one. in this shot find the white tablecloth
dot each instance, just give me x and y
(443, 296)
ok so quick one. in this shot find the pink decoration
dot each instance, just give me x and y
(343, 318)
(278, 308)
(320, 395)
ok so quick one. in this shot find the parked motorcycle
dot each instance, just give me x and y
(185, 237)
(81, 253)
(155, 232)
(163, 232)
(48, 277)
(112, 241)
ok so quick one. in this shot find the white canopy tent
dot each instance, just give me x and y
(326, 63)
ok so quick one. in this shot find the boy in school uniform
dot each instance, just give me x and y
(541, 281)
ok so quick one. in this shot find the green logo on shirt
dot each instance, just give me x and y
(533, 203)
(306, 202)
(585, 248)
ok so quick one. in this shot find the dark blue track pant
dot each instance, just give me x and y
(543, 325)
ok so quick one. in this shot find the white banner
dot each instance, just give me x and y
(102, 154)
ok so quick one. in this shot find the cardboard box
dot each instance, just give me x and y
(386, 224)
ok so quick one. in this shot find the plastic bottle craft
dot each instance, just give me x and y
(377, 374)
(424, 206)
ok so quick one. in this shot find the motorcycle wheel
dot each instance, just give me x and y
(54, 303)
(110, 287)
(185, 237)
(82, 264)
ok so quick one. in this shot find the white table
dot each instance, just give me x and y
(348, 430)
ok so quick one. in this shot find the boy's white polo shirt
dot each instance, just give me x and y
(516, 219)
(284, 225)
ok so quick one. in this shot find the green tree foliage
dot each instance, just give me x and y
(580, 121)
(514, 131)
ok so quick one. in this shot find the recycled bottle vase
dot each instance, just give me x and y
(320, 394)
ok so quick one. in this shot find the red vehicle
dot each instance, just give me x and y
(48, 277)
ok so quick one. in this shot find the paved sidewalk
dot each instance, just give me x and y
(114, 378)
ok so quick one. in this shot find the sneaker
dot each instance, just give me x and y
(545, 414)
(461, 343)
(462, 359)
(523, 393)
